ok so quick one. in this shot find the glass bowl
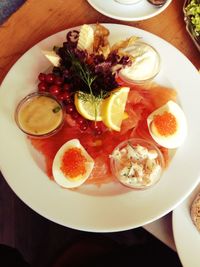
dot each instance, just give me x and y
(137, 163)
(146, 64)
(39, 115)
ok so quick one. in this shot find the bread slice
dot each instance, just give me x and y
(195, 211)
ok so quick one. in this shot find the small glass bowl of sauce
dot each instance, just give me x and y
(145, 66)
(39, 115)
(137, 163)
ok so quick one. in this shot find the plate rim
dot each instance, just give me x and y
(175, 215)
(105, 13)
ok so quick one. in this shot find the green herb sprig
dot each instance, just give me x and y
(81, 70)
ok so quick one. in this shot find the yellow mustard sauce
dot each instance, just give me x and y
(40, 115)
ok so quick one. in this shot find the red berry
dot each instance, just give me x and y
(66, 87)
(50, 77)
(60, 97)
(54, 90)
(94, 125)
(65, 96)
(80, 120)
(98, 132)
(42, 77)
(75, 115)
(58, 81)
(70, 108)
(84, 126)
(42, 87)
(69, 101)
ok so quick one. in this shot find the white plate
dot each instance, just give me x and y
(110, 207)
(135, 12)
(187, 237)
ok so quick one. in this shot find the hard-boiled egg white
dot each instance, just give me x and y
(167, 125)
(60, 177)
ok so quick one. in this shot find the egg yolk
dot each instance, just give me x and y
(165, 123)
(73, 163)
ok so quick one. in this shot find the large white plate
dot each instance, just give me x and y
(187, 237)
(110, 207)
(135, 12)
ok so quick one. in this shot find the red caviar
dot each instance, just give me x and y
(166, 123)
(73, 163)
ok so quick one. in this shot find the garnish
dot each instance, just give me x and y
(93, 80)
(73, 163)
(82, 71)
(85, 72)
(56, 109)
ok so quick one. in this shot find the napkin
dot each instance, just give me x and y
(7, 7)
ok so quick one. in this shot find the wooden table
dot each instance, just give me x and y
(36, 20)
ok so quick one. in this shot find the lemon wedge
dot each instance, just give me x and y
(113, 107)
(88, 106)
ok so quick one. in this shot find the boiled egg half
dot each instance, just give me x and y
(72, 165)
(167, 125)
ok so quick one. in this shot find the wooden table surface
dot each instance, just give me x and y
(36, 20)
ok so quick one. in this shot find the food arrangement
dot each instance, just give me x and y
(101, 110)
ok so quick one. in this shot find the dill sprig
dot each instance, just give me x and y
(81, 70)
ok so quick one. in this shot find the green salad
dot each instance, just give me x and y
(193, 13)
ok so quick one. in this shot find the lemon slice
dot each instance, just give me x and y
(113, 108)
(88, 106)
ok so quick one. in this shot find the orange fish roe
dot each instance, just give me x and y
(166, 123)
(73, 163)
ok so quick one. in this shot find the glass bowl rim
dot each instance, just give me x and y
(138, 141)
(28, 98)
(142, 81)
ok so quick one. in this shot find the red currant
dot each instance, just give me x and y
(54, 90)
(84, 126)
(66, 87)
(65, 96)
(80, 120)
(98, 132)
(50, 78)
(75, 115)
(42, 77)
(70, 108)
(58, 81)
(94, 125)
(42, 87)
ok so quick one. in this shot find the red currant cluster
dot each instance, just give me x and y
(56, 86)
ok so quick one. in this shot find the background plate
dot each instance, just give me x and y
(135, 12)
(187, 237)
(111, 207)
